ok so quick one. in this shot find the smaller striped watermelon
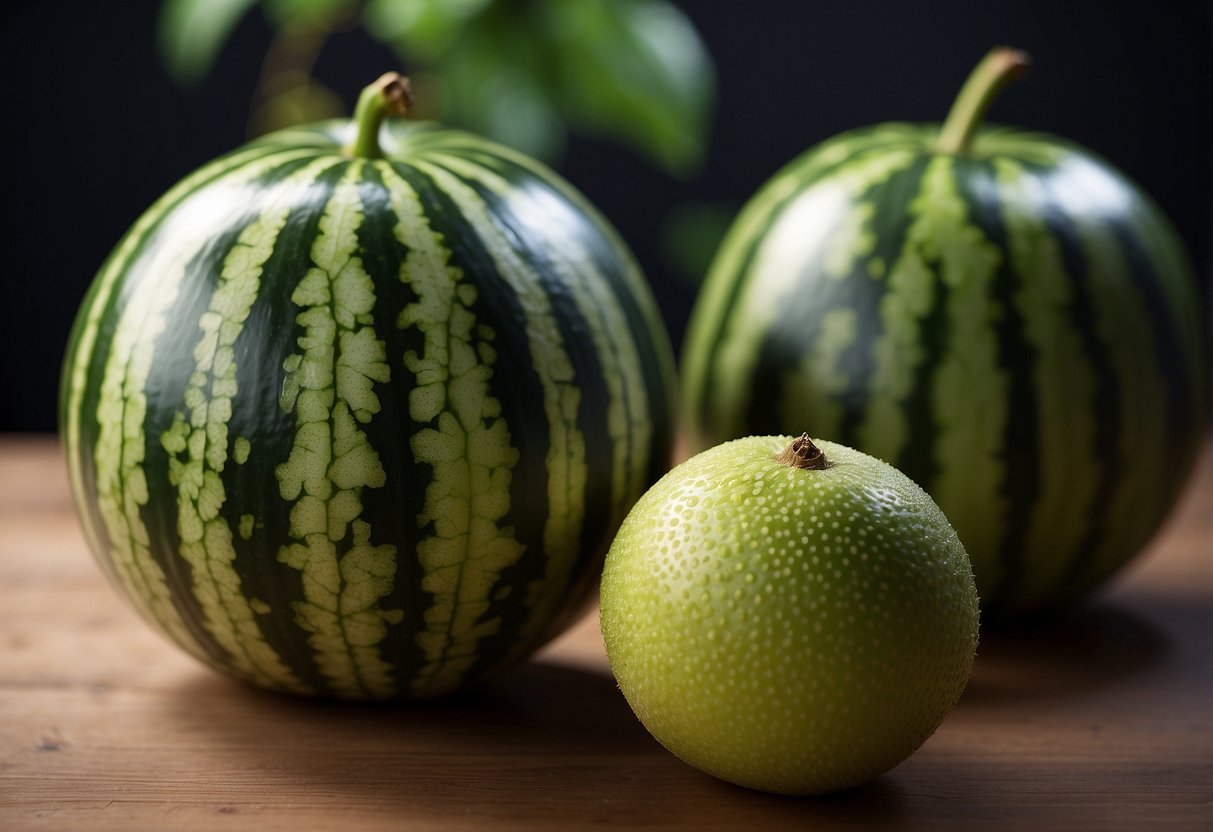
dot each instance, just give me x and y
(1000, 314)
(362, 421)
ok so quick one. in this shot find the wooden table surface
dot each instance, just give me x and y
(1102, 721)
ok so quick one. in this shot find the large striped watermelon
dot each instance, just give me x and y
(363, 422)
(998, 313)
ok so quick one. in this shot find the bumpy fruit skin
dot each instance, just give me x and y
(794, 631)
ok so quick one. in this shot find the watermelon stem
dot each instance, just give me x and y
(997, 69)
(389, 95)
(802, 453)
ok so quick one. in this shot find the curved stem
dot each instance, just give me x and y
(389, 95)
(997, 69)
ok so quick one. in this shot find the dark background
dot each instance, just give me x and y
(94, 130)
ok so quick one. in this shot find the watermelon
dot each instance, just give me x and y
(998, 313)
(356, 410)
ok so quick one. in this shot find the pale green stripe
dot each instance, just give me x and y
(1063, 382)
(756, 222)
(465, 441)
(566, 465)
(628, 418)
(1124, 330)
(712, 304)
(629, 422)
(1179, 285)
(812, 390)
(83, 355)
(944, 250)
(122, 488)
(969, 385)
(635, 280)
(1034, 148)
(898, 350)
(824, 220)
(329, 386)
(198, 446)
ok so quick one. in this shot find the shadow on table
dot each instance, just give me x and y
(545, 741)
(1092, 646)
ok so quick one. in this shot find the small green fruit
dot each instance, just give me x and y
(796, 622)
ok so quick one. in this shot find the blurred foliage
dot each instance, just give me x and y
(690, 236)
(524, 72)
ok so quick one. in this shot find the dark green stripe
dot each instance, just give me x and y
(172, 364)
(591, 419)
(588, 370)
(798, 324)
(1190, 297)
(612, 264)
(606, 264)
(1182, 436)
(516, 385)
(701, 411)
(269, 336)
(891, 224)
(980, 190)
(392, 510)
(103, 343)
(1183, 407)
(803, 168)
(651, 346)
(1105, 451)
(917, 457)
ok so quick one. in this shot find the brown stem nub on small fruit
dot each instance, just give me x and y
(802, 453)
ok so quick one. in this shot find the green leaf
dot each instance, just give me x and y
(422, 29)
(488, 73)
(636, 71)
(690, 236)
(522, 72)
(501, 100)
(321, 12)
(191, 33)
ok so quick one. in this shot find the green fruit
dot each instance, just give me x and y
(999, 314)
(361, 421)
(793, 629)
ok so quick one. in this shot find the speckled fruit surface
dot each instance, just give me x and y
(791, 630)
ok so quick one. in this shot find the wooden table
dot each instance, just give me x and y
(1104, 721)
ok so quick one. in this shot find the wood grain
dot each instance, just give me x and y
(1101, 721)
